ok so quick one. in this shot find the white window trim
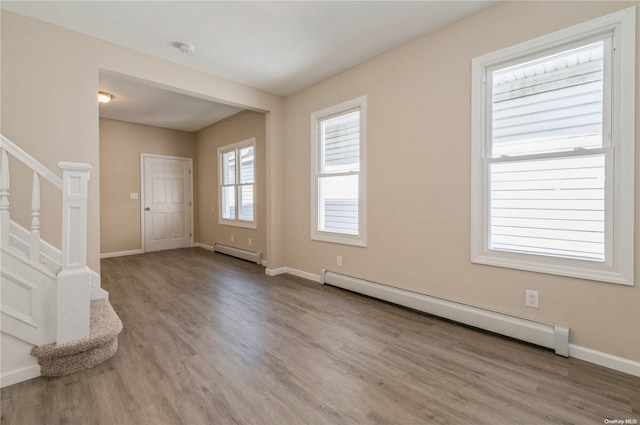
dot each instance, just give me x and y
(237, 222)
(619, 269)
(361, 238)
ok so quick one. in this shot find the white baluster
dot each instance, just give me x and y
(4, 200)
(34, 243)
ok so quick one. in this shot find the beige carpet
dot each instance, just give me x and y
(100, 345)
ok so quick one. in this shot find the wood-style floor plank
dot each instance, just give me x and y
(209, 339)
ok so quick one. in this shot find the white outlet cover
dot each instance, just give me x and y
(532, 298)
(133, 195)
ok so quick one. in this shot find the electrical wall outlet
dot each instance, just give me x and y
(232, 238)
(532, 299)
(250, 242)
(339, 260)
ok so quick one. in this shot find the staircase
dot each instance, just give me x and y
(55, 317)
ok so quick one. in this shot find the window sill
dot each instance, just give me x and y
(570, 268)
(237, 223)
(339, 239)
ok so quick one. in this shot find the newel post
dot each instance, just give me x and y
(73, 283)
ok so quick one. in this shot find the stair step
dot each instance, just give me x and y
(100, 345)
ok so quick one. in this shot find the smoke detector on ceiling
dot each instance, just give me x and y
(185, 48)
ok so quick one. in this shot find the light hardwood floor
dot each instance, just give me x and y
(209, 339)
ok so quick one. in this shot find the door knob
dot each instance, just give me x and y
(147, 209)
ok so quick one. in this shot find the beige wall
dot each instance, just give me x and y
(49, 84)
(121, 144)
(241, 126)
(419, 116)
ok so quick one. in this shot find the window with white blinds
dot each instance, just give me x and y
(547, 204)
(237, 184)
(338, 178)
(553, 153)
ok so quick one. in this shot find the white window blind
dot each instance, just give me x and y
(547, 205)
(338, 182)
(246, 188)
(338, 158)
(228, 189)
(237, 184)
(550, 104)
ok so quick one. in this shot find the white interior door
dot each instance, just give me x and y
(167, 203)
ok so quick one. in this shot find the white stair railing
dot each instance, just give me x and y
(73, 280)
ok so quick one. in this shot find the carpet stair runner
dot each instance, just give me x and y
(72, 357)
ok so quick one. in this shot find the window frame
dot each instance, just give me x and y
(236, 222)
(359, 103)
(619, 199)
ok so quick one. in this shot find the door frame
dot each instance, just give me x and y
(143, 156)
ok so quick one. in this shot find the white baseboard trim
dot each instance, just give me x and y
(96, 280)
(204, 246)
(304, 275)
(20, 375)
(295, 272)
(604, 359)
(275, 272)
(121, 253)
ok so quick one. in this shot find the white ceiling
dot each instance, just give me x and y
(142, 103)
(278, 46)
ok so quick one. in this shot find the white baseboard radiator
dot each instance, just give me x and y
(254, 257)
(546, 335)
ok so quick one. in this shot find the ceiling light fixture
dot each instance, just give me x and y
(104, 97)
(185, 48)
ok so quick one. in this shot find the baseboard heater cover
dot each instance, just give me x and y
(546, 335)
(255, 257)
